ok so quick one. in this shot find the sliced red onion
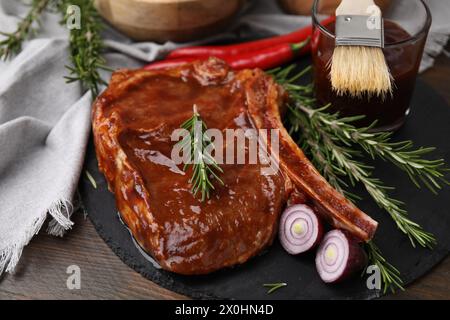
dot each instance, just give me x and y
(339, 256)
(300, 229)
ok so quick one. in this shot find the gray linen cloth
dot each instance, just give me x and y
(45, 123)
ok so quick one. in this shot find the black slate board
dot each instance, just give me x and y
(428, 125)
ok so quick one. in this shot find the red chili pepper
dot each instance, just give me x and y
(266, 58)
(231, 50)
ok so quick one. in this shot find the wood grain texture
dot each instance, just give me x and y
(168, 20)
(41, 273)
(42, 270)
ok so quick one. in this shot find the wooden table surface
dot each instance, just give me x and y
(41, 273)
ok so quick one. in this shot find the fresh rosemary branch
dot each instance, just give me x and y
(86, 45)
(332, 139)
(274, 286)
(334, 162)
(343, 157)
(204, 166)
(402, 154)
(390, 276)
(328, 140)
(310, 142)
(86, 42)
(430, 172)
(14, 40)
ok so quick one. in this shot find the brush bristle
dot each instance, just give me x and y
(358, 71)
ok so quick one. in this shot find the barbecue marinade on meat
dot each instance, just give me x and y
(133, 121)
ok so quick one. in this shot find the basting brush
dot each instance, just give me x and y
(358, 66)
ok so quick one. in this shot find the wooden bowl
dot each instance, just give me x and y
(304, 7)
(164, 20)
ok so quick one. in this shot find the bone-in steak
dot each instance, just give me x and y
(133, 121)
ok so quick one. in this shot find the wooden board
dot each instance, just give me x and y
(424, 127)
(164, 20)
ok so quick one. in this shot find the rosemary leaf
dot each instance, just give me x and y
(274, 286)
(204, 167)
(91, 179)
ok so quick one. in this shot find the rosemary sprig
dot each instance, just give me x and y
(324, 159)
(402, 154)
(328, 140)
(86, 42)
(86, 45)
(332, 139)
(274, 286)
(204, 166)
(310, 142)
(12, 44)
(430, 172)
(343, 157)
(390, 276)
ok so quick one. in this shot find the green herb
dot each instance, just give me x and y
(402, 154)
(14, 40)
(344, 159)
(332, 141)
(390, 276)
(91, 179)
(339, 161)
(310, 141)
(86, 45)
(204, 166)
(274, 286)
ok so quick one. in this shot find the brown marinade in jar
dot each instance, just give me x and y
(403, 61)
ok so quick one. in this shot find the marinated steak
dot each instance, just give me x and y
(133, 121)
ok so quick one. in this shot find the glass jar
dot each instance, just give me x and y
(406, 24)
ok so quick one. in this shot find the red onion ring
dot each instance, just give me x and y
(300, 229)
(339, 256)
